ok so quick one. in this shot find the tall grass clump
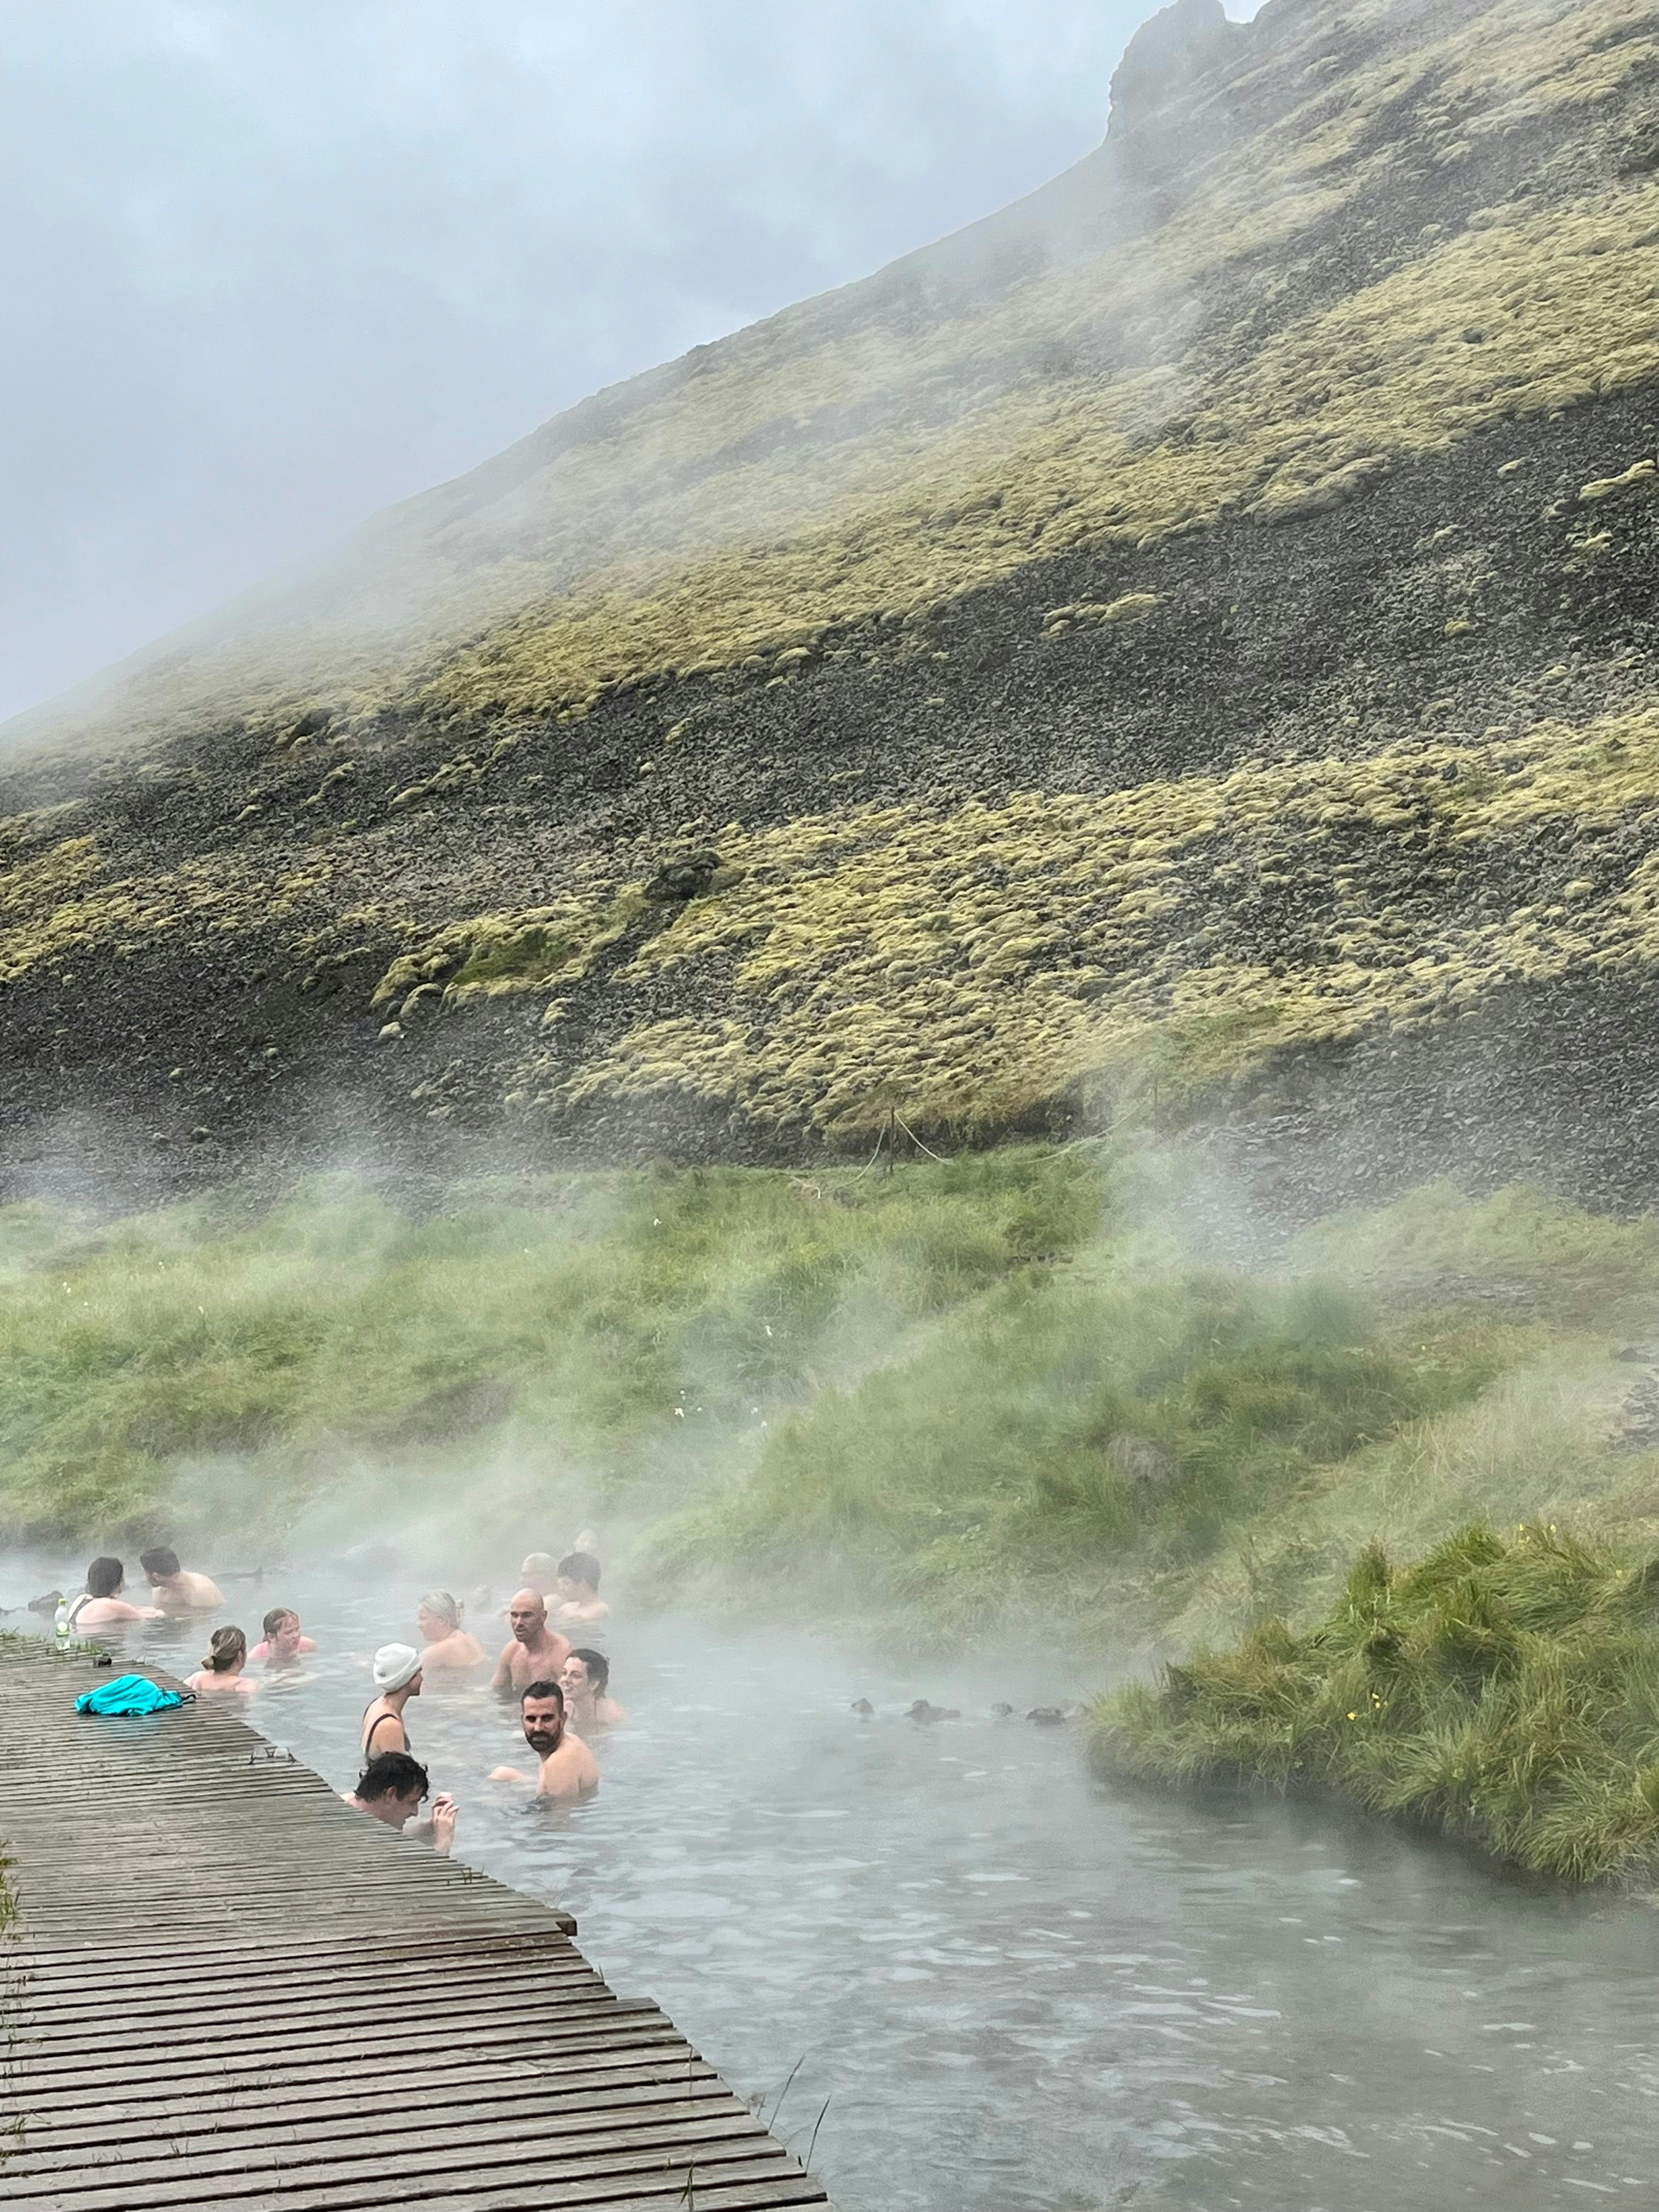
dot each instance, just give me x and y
(1504, 1693)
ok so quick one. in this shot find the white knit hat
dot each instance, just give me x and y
(395, 1665)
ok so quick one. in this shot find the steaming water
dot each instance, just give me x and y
(1016, 1989)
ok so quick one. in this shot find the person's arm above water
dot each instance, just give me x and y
(437, 1829)
(508, 1774)
(502, 1677)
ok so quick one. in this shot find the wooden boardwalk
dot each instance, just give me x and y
(228, 1988)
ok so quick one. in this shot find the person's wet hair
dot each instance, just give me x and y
(539, 1563)
(441, 1603)
(542, 1690)
(226, 1647)
(278, 1618)
(159, 1559)
(599, 1669)
(581, 1567)
(103, 1578)
(392, 1774)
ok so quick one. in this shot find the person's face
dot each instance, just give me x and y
(155, 1581)
(528, 1615)
(569, 1589)
(396, 1811)
(414, 1681)
(544, 1724)
(286, 1641)
(433, 1631)
(572, 1679)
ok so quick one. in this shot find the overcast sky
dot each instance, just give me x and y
(272, 264)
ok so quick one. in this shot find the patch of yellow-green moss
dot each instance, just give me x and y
(66, 901)
(494, 956)
(979, 962)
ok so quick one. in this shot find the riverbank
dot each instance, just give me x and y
(1502, 1692)
(1002, 1388)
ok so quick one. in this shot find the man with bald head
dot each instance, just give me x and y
(536, 1652)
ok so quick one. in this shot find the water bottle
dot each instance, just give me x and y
(60, 1621)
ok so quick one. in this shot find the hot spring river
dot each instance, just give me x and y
(1013, 1987)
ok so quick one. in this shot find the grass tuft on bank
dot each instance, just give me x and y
(1504, 1692)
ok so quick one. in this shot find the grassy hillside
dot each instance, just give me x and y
(995, 1388)
(1184, 645)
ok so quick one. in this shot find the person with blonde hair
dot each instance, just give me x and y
(221, 1672)
(445, 1643)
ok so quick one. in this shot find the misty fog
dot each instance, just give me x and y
(274, 268)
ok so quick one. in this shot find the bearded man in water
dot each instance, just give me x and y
(568, 1769)
(537, 1651)
(177, 1589)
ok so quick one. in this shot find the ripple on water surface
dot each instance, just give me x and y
(1013, 1988)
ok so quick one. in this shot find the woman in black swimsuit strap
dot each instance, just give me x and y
(398, 1678)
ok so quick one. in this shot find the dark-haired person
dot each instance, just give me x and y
(445, 1643)
(176, 1590)
(398, 1678)
(576, 1591)
(585, 1678)
(391, 1788)
(101, 1604)
(221, 1674)
(568, 1767)
(284, 1640)
(537, 1651)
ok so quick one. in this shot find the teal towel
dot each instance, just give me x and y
(131, 1694)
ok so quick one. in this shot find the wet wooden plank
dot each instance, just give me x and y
(212, 2001)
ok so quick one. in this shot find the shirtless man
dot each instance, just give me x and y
(391, 1790)
(568, 1769)
(103, 1604)
(537, 1651)
(176, 1590)
(576, 1592)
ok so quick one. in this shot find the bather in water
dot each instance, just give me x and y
(585, 1679)
(446, 1644)
(221, 1672)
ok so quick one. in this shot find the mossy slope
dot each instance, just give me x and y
(1198, 623)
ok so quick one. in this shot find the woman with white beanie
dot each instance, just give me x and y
(398, 1678)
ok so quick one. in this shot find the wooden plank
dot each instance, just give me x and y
(208, 2004)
